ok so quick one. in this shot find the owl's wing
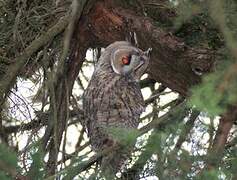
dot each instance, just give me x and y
(89, 106)
(119, 106)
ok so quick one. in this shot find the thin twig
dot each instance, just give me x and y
(10, 76)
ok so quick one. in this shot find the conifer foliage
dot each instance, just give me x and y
(48, 50)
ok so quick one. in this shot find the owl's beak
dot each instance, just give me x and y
(142, 61)
(143, 58)
(148, 52)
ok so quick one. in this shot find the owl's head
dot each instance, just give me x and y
(127, 59)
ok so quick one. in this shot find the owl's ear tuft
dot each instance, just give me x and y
(116, 66)
(148, 52)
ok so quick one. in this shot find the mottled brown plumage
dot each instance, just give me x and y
(113, 98)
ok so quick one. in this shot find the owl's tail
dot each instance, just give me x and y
(114, 161)
(116, 152)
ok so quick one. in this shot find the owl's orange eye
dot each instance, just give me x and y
(126, 60)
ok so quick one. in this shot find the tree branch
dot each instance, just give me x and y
(187, 128)
(9, 78)
(41, 120)
(216, 152)
(173, 63)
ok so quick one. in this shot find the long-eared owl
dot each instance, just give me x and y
(113, 98)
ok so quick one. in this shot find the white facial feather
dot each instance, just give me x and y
(112, 62)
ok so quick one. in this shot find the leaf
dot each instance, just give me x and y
(125, 136)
